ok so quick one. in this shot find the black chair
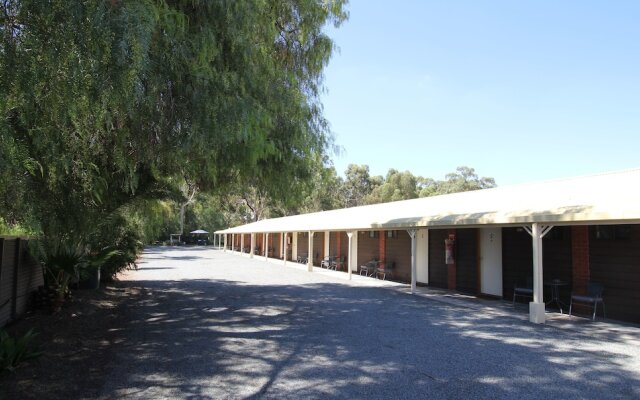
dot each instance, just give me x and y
(369, 268)
(326, 262)
(523, 291)
(592, 298)
(337, 263)
(385, 269)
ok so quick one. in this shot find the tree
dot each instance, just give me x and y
(104, 103)
(396, 186)
(358, 184)
(325, 191)
(464, 179)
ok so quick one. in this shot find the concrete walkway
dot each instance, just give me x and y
(218, 325)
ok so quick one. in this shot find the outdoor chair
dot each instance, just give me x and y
(592, 298)
(326, 262)
(337, 263)
(369, 268)
(523, 291)
(385, 269)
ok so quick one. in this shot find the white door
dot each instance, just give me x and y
(422, 256)
(491, 261)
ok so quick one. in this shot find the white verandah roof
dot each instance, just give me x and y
(606, 198)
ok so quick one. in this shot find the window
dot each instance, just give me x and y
(392, 234)
(373, 234)
(612, 232)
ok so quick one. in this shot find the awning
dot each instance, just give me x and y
(598, 199)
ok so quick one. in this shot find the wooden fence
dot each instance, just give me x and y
(20, 275)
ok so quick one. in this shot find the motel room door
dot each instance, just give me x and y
(491, 261)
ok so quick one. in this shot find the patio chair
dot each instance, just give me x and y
(338, 263)
(303, 258)
(326, 262)
(592, 298)
(369, 268)
(523, 291)
(385, 269)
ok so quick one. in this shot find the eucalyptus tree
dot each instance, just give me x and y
(358, 184)
(103, 102)
(396, 186)
(464, 179)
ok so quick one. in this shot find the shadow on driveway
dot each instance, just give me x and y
(203, 339)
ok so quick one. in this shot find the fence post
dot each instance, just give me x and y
(17, 261)
(1, 255)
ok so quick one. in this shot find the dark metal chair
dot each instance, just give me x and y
(592, 299)
(303, 258)
(523, 291)
(326, 262)
(338, 263)
(369, 268)
(385, 269)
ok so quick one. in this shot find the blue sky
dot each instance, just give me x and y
(521, 91)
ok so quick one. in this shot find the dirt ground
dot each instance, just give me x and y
(77, 345)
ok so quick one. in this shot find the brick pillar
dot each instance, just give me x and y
(580, 258)
(382, 248)
(451, 268)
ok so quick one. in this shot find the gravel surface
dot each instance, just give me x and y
(212, 325)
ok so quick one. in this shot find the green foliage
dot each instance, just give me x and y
(14, 351)
(108, 106)
(326, 191)
(16, 229)
(114, 245)
(64, 260)
(463, 180)
(358, 184)
(396, 186)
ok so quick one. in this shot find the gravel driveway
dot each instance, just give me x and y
(213, 325)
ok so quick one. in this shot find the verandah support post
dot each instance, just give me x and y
(253, 244)
(242, 243)
(349, 235)
(310, 253)
(412, 234)
(285, 246)
(266, 249)
(537, 306)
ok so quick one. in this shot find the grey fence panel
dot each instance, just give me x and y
(20, 275)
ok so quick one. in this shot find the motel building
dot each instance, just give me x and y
(549, 239)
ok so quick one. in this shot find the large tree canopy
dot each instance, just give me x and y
(103, 101)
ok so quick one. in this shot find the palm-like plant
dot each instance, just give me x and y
(64, 262)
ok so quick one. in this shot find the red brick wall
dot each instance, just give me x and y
(398, 251)
(303, 244)
(580, 258)
(344, 244)
(367, 247)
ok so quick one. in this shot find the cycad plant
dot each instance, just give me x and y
(14, 351)
(64, 261)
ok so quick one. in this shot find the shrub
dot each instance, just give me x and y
(115, 247)
(14, 351)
